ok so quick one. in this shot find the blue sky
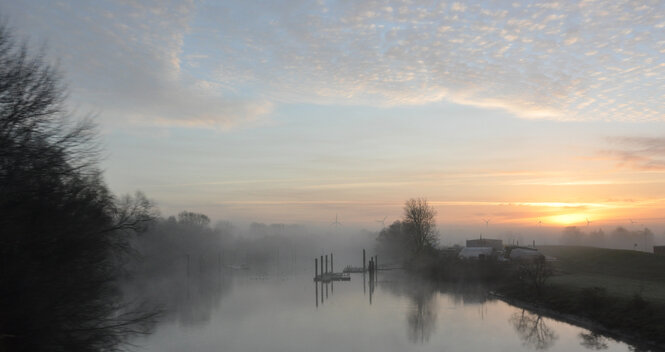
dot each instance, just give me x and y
(295, 111)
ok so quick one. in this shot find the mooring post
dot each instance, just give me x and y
(316, 268)
(331, 263)
(326, 263)
(364, 260)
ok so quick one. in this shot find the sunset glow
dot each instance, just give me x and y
(568, 219)
(526, 113)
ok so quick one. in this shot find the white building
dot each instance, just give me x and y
(475, 253)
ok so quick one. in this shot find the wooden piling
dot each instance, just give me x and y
(331, 263)
(316, 267)
(326, 263)
(364, 268)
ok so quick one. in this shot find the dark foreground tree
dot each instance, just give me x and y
(62, 233)
(394, 244)
(419, 224)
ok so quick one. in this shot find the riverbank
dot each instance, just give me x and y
(619, 293)
(628, 319)
(577, 320)
(616, 292)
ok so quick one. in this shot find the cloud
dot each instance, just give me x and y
(641, 153)
(126, 61)
(223, 63)
(564, 60)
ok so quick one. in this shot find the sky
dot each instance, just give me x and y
(523, 113)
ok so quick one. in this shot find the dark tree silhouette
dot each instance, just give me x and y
(62, 232)
(394, 244)
(419, 223)
(197, 219)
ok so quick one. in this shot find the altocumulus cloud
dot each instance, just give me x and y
(222, 63)
(124, 59)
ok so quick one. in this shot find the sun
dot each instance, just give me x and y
(568, 219)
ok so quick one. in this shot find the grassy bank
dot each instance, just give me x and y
(619, 292)
(623, 291)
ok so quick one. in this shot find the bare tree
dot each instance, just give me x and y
(62, 232)
(534, 272)
(192, 218)
(419, 223)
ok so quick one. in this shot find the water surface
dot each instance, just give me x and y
(245, 311)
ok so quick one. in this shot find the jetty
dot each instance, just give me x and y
(327, 277)
(327, 274)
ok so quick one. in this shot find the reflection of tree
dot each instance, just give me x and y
(422, 316)
(187, 300)
(532, 330)
(593, 341)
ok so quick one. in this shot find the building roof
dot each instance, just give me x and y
(475, 252)
(517, 253)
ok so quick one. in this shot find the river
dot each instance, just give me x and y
(246, 311)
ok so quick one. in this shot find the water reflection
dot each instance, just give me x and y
(189, 298)
(593, 341)
(532, 330)
(397, 313)
(371, 287)
(324, 291)
(422, 316)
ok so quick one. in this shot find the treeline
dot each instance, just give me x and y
(619, 238)
(189, 242)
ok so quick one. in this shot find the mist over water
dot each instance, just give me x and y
(259, 311)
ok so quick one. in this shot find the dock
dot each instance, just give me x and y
(327, 277)
(327, 274)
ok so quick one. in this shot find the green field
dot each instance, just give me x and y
(613, 262)
(619, 289)
(622, 273)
